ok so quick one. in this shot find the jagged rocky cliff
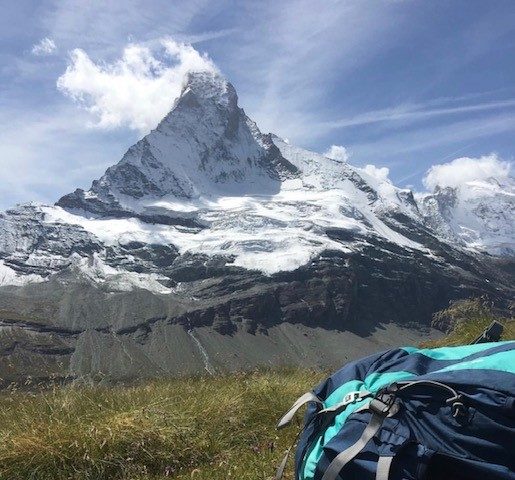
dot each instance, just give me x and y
(212, 246)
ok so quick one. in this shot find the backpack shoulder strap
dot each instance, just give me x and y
(380, 410)
(384, 464)
(288, 416)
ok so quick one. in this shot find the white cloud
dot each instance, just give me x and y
(466, 169)
(45, 46)
(379, 173)
(337, 152)
(138, 89)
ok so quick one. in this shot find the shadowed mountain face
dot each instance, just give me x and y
(212, 246)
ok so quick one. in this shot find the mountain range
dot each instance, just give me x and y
(213, 246)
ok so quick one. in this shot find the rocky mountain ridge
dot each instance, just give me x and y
(210, 239)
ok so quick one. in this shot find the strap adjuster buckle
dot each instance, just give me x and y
(351, 397)
(384, 404)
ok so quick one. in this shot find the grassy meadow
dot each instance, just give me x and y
(204, 428)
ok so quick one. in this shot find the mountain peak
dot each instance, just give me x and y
(209, 85)
(206, 97)
(205, 146)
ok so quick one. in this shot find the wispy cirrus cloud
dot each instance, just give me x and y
(296, 52)
(46, 46)
(430, 136)
(415, 112)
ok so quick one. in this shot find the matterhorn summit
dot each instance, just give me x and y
(205, 147)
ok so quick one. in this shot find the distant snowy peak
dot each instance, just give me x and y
(359, 186)
(477, 214)
(206, 145)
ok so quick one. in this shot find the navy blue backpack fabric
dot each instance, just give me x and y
(432, 433)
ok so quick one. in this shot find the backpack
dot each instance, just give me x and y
(412, 414)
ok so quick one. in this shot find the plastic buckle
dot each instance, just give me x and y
(351, 397)
(384, 404)
(392, 388)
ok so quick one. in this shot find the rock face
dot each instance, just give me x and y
(211, 246)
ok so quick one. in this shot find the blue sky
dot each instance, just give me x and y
(403, 84)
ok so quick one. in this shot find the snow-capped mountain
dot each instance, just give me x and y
(206, 180)
(478, 214)
(205, 146)
(209, 223)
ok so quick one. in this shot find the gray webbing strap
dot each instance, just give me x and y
(286, 419)
(351, 397)
(364, 408)
(383, 468)
(288, 416)
(349, 453)
(280, 470)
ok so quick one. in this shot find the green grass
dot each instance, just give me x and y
(469, 318)
(201, 428)
(192, 428)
